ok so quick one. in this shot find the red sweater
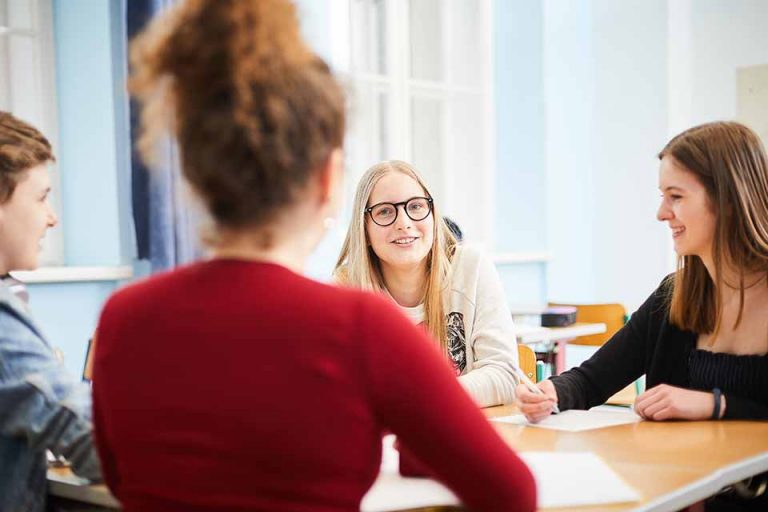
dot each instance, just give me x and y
(234, 385)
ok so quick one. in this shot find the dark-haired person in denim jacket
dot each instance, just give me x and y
(42, 406)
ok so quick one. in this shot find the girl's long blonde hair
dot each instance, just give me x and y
(358, 266)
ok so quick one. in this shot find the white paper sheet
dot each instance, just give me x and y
(394, 492)
(391, 491)
(562, 480)
(576, 421)
(577, 478)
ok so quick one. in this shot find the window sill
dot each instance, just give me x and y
(74, 274)
(516, 258)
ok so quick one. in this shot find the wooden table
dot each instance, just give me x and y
(670, 464)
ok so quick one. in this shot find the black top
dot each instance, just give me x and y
(745, 376)
(648, 344)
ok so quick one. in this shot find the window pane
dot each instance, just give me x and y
(383, 114)
(426, 30)
(369, 30)
(369, 139)
(24, 79)
(464, 23)
(428, 143)
(21, 14)
(466, 160)
(5, 93)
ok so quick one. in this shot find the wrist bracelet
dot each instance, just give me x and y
(716, 410)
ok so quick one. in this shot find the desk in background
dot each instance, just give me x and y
(670, 464)
(555, 339)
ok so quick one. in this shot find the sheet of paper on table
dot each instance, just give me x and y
(562, 480)
(576, 478)
(576, 421)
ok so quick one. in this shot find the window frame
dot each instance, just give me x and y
(400, 89)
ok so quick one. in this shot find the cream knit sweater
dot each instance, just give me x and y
(481, 337)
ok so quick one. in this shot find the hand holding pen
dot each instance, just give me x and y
(536, 402)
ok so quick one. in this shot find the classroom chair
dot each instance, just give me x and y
(527, 359)
(614, 316)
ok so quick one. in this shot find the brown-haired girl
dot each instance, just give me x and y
(237, 383)
(701, 338)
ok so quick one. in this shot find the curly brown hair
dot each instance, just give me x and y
(254, 110)
(21, 147)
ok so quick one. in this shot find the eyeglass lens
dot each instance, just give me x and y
(416, 208)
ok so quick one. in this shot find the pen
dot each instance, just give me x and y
(533, 388)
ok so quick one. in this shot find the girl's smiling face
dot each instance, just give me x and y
(405, 243)
(686, 207)
(24, 220)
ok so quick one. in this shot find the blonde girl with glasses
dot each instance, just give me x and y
(399, 245)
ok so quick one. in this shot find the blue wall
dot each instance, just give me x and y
(520, 205)
(92, 159)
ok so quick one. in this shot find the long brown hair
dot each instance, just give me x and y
(358, 265)
(730, 161)
(254, 110)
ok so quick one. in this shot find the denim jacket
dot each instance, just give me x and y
(42, 407)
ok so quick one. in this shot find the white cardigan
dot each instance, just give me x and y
(481, 336)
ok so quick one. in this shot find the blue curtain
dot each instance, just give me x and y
(165, 221)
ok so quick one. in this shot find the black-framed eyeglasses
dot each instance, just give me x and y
(385, 214)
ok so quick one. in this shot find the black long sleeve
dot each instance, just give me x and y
(648, 345)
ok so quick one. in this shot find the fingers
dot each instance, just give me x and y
(666, 413)
(535, 406)
(652, 410)
(527, 396)
(536, 412)
(657, 404)
(649, 397)
(642, 403)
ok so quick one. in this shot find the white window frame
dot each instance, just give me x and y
(476, 212)
(41, 95)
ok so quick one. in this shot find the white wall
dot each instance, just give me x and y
(569, 100)
(726, 35)
(621, 78)
(605, 79)
(629, 116)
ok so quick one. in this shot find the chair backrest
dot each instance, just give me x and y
(612, 315)
(527, 359)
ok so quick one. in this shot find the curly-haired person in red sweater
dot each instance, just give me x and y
(237, 383)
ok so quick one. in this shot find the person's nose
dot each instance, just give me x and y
(403, 220)
(664, 213)
(52, 218)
